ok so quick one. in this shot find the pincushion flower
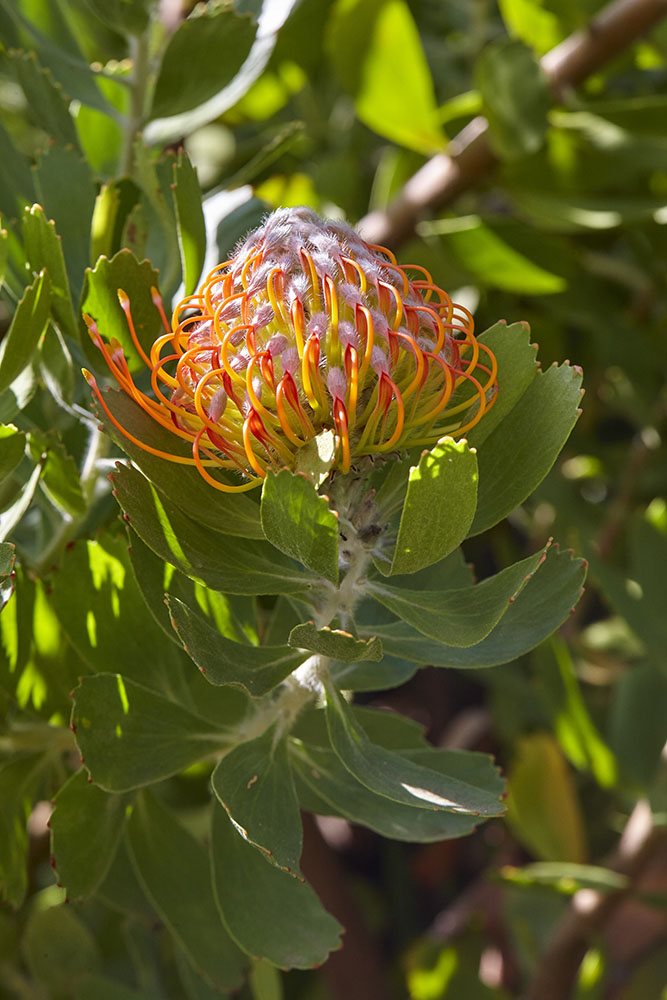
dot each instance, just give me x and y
(307, 328)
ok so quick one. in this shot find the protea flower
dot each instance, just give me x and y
(308, 328)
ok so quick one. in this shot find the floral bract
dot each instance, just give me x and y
(308, 328)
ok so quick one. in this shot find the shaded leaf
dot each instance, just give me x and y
(174, 872)
(459, 617)
(515, 97)
(325, 785)
(220, 40)
(220, 561)
(20, 342)
(60, 476)
(397, 778)
(189, 220)
(518, 454)
(48, 104)
(100, 609)
(43, 248)
(257, 669)
(56, 367)
(542, 806)
(123, 15)
(86, 826)
(232, 615)
(12, 447)
(540, 607)
(269, 913)
(517, 367)
(226, 513)
(66, 190)
(58, 948)
(254, 784)
(130, 736)
(19, 779)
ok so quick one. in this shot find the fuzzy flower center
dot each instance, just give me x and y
(308, 328)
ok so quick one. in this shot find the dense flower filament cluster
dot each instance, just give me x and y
(307, 328)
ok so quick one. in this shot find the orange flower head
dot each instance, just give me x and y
(307, 328)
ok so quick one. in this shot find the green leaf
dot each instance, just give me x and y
(48, 104)
(4, 252)
(86, 827)
(16, 187)
(439, 507)
(298, 522)
(20, 342)
(638, 593)
(100, 609)
(517, 367)
(378, 56)
(130, 736)
(518, 454)
(100, 300)
(542, 807)
(12, 447)
(102, 988)
(400, 779)
(495, 263)
(269, 913)
(130, 16)
(541, 606)
(66, 190)
(233, 616)
(515, 97)
(59, 948)
(174, 872)
(10, 517)
(60, 476)
(459, 617)
(387, 729)
(218, 40)
(257, 669)
(43, 248)
(639, 694)
(566, 877)
(533, 22)
(221, 562)
(325, 786)
(121, 890)
(56, 367)
(335, 644)
(190, 221)
(231, 514)
(575, 730)
(254, 784)
(19, 777)
(7, 559)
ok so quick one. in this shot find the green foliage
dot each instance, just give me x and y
(182, 700)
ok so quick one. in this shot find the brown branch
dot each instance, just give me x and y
(470, 157)
(590, 910)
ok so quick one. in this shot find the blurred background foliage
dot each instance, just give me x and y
(104, 106)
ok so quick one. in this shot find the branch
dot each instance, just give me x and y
(470, 157)
(590, 910)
